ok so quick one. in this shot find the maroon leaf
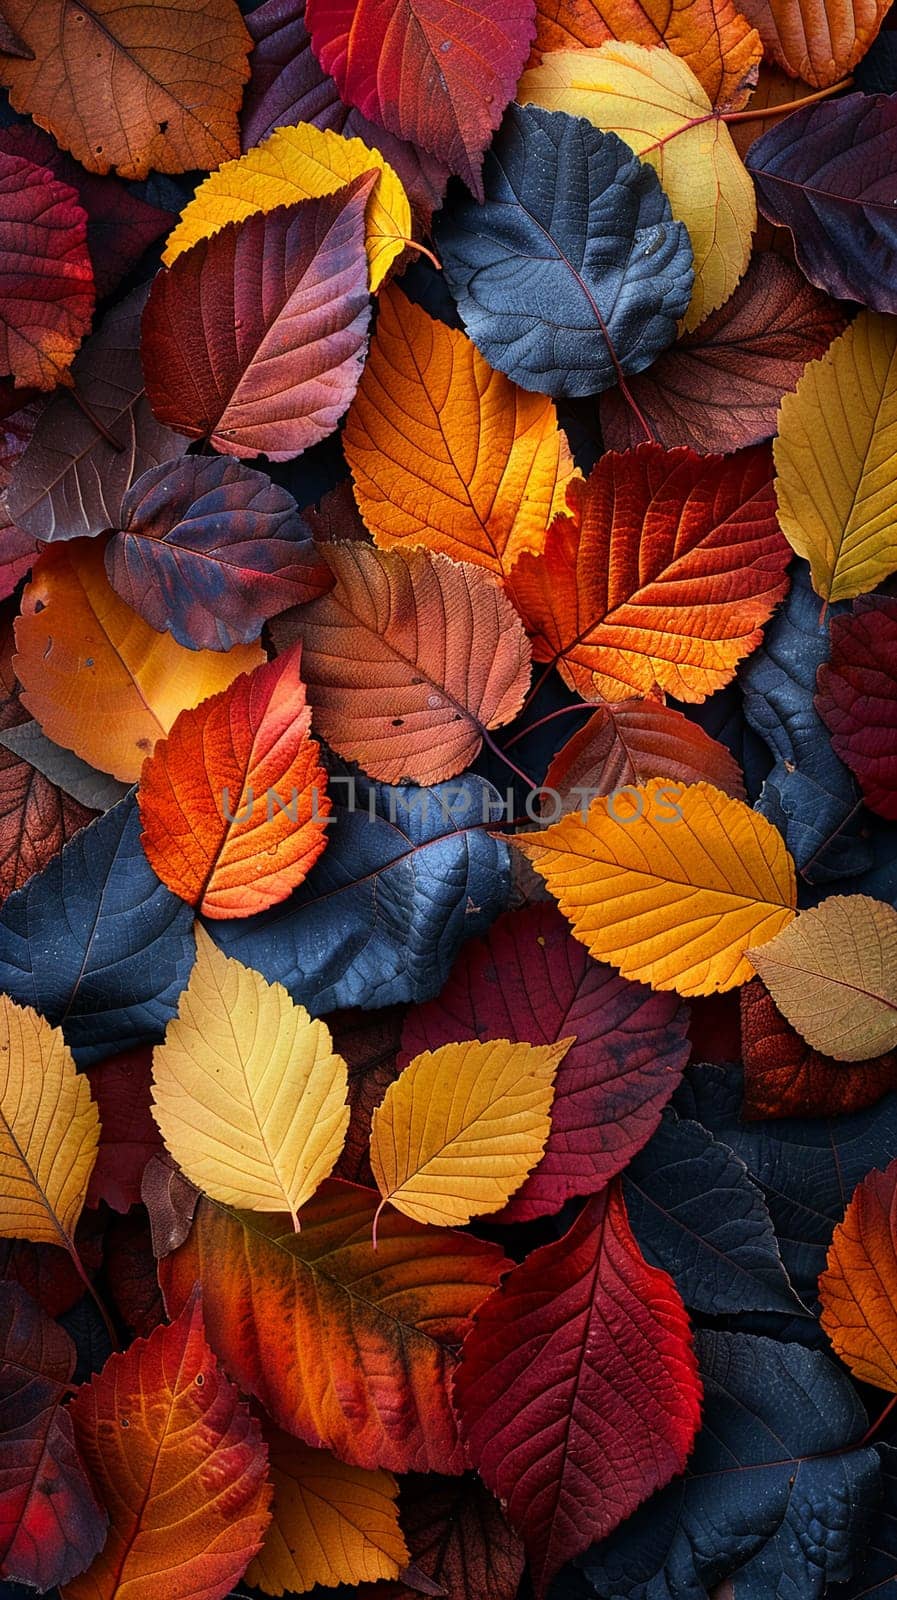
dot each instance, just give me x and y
(210, 549)
(71, 480)
(459, 1539)
(46, 277)
(530, 981)
(288, 86)
(130, 1269)
(170, 1199)
(120, 1088)
(47, 1271)
(720, 386)
(275, 364)
(783, 1077)
(51, 1525)
(578, 1390)
(630, 741)
(857, 698)
(368, 1042)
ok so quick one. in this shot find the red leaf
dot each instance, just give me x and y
(459, 1539)
(784, 1077)
(719, 387)
(578, 1389)
(47, 292)
(532, 982)
(120, 1088)
(857, 698)
(51, 1525)
(630, 741)
(48, 1272)
(277, 363)
(438, 75)
(287, 86)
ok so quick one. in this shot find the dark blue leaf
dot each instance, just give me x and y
(698, 1215)
(809, 795)
(721, 715)
(95, 942)
(407, 875)
(573, 268)
(807, 1169)
(876, 1576)
(773, 1497)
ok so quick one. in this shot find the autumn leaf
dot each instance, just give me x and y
(170, 75)
(278, 366)
(390, 61)
(120, 1088)
(578, 1389)
(653, 100)
(835, 461)
(462, 1127)
(234, 801)
(858, 1288)
(819, 41)
(343, 1347)
(670, 884)
(630, 741)
(833, 973)
(98, 679)
(330, 1523)
(247, 1090)
(857, 698)
(179, 1463)
(47, 277)
(299, 163)
(446, 453)
(629, 593)
(459, 1539)
(49, 1130)
(408, 660)
(784, 1077)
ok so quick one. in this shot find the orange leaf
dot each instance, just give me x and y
(817, 40)
(99, 679)
(180, 1465)
(858, 1288)
(719, 44)
(408, 659)
(663, 574)
(233, 803)
(447, 453)
(630, 741)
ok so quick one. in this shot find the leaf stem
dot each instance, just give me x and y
(95, 422)
(498, 751)
(415, 244)
(78, 1265)
(762, 113)
(876, 1426)
(562, 711)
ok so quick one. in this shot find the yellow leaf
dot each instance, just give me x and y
(670, 883)
(836, 459)
(331, 1523)
(653, 101)
(833, 973)
(447, 453)
(461, 1128)
(248, 1093)
(49, 1130)
(300, 163)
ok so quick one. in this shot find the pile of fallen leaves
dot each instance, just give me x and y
(448, 775)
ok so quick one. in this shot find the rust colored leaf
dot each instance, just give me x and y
(630, 741)
(47, 279)
(819, 40)
(858, 1288)
(785, 1077)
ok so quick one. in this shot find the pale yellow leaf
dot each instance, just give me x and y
(669, 882)
(462, 1127)
(299, 163)
(836, 460)
(653, 101)
(49, 1130)
(833, 973)
(248, 1093)
(331, 1523)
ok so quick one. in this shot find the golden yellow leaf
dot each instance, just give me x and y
(49, 1130)
(447, 453)
(652, 100)
(462, 1126)
(300, 163)
(331, 1523)
(671, 883)
(836, 460)
(248, 1093)
(98, 679)
(833, 973)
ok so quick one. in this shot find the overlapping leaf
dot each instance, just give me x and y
(408, 660)
(459, 1539)
(446, 453)
(857, 1288)
(857, 698)
(820, 41)
(565, 300)
(247, 1089)
(120, 1089)
(662, 575)
(630, 741)
(672, 885)
(653, 100)
(343, 1347)
(47, 277)
(278, 366)
(784, 1077)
